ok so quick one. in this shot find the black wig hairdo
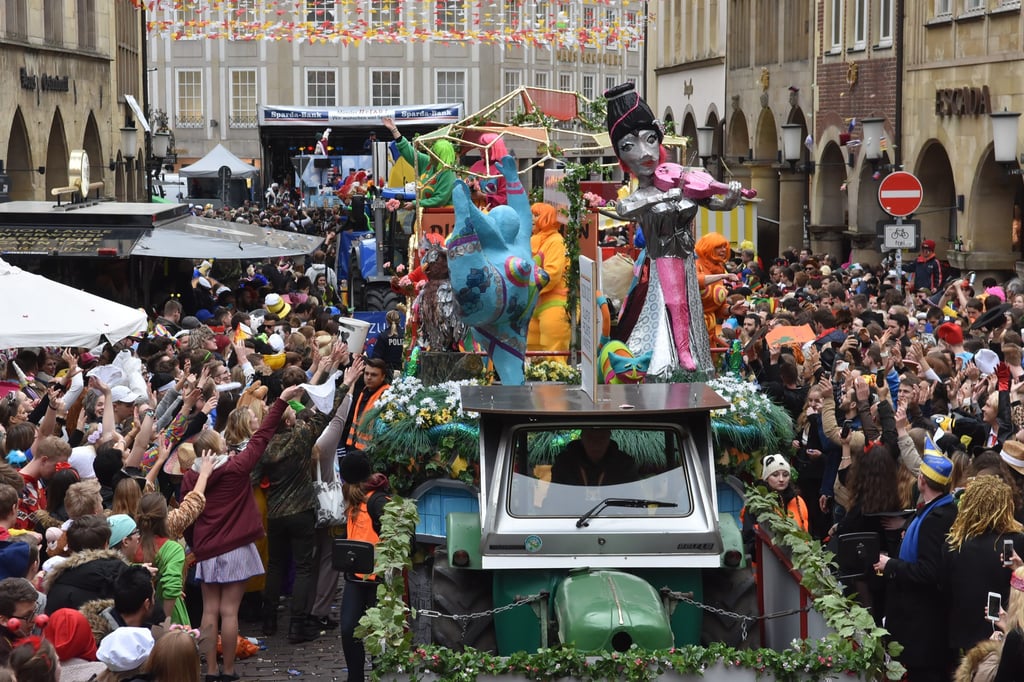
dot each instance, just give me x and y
(628, 113)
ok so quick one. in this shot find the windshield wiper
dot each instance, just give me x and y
(583, 521)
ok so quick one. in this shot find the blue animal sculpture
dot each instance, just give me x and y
(493, 274)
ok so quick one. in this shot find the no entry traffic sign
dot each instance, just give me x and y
(900, 194)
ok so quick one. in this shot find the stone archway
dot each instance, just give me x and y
(829, 203)
(764, 177)
(19, 160)
(57, 154)
(738, 142)
(93, 146)
(766, 139)
(991, 214)
(937, 215)
(869, 211)
(689, 131)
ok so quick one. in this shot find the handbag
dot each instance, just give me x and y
(330, 501)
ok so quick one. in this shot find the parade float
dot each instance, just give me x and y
(509, 584)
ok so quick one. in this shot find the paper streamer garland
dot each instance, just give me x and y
(608, 24)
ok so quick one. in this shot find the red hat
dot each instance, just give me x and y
(222, 343)
(69, 632)
(928, 244)
(951, 333)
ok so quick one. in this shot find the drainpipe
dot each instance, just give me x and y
(898, 123)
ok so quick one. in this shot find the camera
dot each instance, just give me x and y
(1007, 552)
(845, 431)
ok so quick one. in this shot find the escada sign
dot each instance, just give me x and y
(965, 101)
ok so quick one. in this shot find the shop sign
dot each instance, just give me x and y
(965, 101)
(44, 82)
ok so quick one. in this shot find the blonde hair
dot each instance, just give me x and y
(239, 426)
(1015, 607)
(174, 658)
(986, 506)
(83, 498)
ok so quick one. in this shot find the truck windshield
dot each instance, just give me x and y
(565, 472)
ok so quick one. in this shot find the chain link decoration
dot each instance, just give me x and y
(459, 617)
(744, 618)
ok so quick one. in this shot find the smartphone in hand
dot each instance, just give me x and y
(1007, 554)
(995, 602)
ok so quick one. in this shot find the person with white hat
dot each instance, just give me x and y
(776, 472)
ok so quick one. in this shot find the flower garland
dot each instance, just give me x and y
(751, 424)
(421, 432)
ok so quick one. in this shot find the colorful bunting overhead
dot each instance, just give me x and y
(607, 24)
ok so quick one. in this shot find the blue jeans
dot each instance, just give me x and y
(355, 600)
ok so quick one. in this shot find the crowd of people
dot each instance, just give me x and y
(165, 483)
(151, 488)
(906, 407)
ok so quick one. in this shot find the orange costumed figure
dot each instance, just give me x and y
(712, 252)
(549, 328)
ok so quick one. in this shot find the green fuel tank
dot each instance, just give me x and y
(607, 610)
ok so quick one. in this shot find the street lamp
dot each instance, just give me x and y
(792, 152)
(1004, 140)
(129, 140)
(705, 142)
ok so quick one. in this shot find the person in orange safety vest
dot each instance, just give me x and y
(366, 493)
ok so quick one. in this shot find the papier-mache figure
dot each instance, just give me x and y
(658, 316)
(713, 251)
(493, 273)
(321, 144)
(549, 328)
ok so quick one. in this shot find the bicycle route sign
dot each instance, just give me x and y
(899, 236)
(900, 194)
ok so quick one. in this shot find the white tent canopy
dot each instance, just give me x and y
(209, 166)
(41, 312)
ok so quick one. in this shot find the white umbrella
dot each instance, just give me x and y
(40, 312)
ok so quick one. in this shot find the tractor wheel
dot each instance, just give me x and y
(731, 589)
(419, 599)
(461, 591)
(381, 297)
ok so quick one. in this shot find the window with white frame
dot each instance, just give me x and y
(321, 87)
(564, 15)
(450, 87)
(243, 98)
(542, 14)
(943, 8)
(631, 26)
(565, 82)
(513, 15)
(449, 16)
(511, 80)
(611, 20)
(588, 85)
(540, 79)
(244, 11)
(835, 26)
(188, 102)
(860, 18)
(385, 88)
(974, 5)
(610, 82)
(320, 11)
(384, 15)
(885, 23)
(188, 14)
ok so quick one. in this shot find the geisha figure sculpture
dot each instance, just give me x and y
(663, 314)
